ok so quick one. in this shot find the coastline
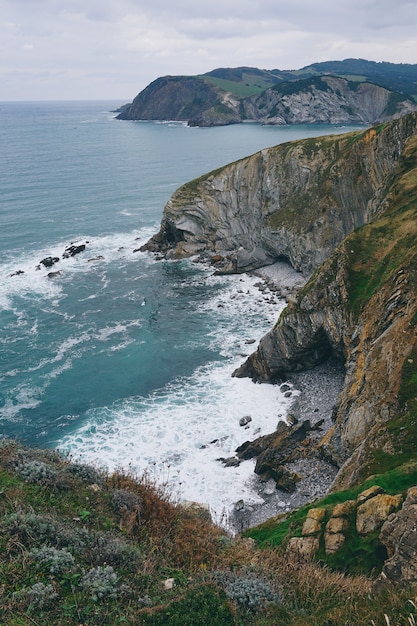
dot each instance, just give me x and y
(315, 392)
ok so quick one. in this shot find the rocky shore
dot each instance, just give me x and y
(315, 393)
(318, 392)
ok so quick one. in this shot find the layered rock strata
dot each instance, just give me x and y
(296, 201)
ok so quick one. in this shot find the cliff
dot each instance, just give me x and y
(183, 98)
(231, 96)
(344, 210)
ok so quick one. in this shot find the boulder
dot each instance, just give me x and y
(374, 512)
(344, 509)
(313, 523)
(304, 547)
(281, 449)
(369, 493)
(337, 525)
(73, 249)
(333, 542)
(287, 481)
(250, 449)
(49, 261)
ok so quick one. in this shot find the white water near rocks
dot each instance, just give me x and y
(121, 359)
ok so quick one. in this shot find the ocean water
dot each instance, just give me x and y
(120, 359)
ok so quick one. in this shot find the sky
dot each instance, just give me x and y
(112, 49)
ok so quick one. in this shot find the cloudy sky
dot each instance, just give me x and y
(111, 49)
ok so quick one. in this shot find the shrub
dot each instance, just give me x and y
(87, 473)
(109, 549)
(36, 472)
(56, 562)
(124, 500)
(31, 529)
(247, 590)
(101, 583)
(39, 596)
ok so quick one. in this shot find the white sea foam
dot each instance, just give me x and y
(23, 275)
(179, 433)
(24, 397)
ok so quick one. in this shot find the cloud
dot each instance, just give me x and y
(114, 48)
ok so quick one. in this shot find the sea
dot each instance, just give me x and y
(110, 355)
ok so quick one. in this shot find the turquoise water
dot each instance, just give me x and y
(120, 358)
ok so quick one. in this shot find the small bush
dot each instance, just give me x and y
(37, 472)
(55, 562)
(39, 596)
(87, 473)
(109, 549)
(32, 529)
(247, 590)
(129, 506)
(101, 583)
(124, 500)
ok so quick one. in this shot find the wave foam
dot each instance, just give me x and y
(179, 433)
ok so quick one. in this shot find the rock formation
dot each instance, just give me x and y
(342, 209)
(373, 512)
(183, 98)
(399, 536)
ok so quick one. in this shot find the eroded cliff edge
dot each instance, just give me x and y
(343, 209)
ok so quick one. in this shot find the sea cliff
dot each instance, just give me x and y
(341, 210)
(349, 92)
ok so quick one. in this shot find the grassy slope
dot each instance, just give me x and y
(243, 82)
(79, 546)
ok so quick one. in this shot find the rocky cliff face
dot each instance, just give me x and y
(361, 306)
(345, 206)
(183, 98)
(326, 99)
(319, 99)
(296, 201)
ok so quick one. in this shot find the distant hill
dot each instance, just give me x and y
(401, 77)
(361, 91)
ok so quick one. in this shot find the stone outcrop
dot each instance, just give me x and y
(369, 513)
(275, 451)
(399, 535)
(375, 511)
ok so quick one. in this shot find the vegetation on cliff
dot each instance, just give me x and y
(81, 546)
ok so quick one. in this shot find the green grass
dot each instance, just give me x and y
(203, 606)
(359, 555)
(239, 89)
